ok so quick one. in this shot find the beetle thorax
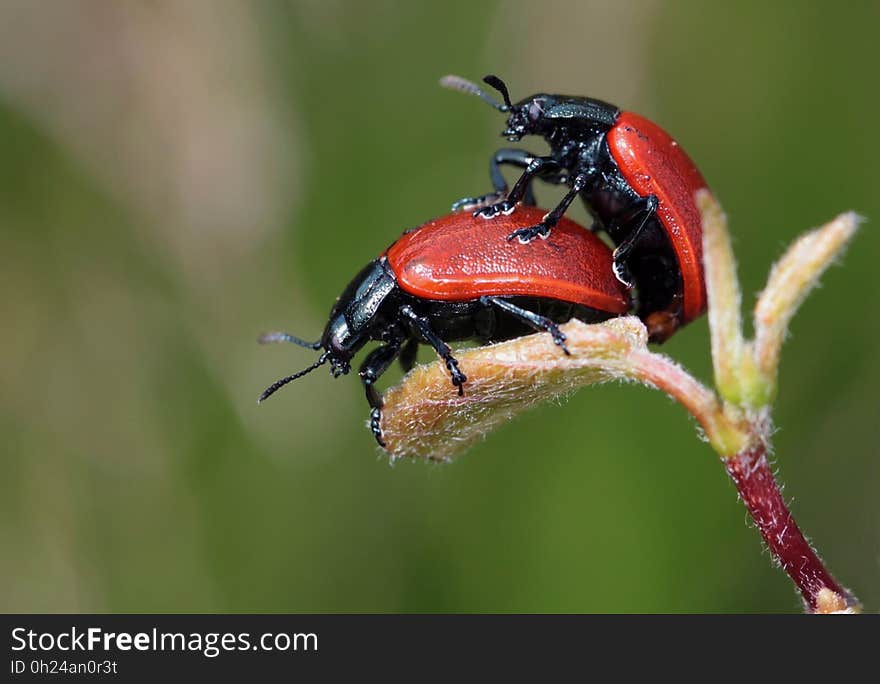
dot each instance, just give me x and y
(359, 314)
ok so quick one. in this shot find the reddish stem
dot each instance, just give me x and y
(754, 480)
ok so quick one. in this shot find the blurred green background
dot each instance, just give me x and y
(177, 177)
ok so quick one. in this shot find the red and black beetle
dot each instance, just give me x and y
(635, 180)
(456, 278)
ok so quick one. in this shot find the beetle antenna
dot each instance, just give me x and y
(463, 85)
(287, 337)
(501, 87)
(278, 384)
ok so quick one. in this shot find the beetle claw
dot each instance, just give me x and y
(375, 426)
(505, 207)
(526, 235)
(559, 339)
(621, 270)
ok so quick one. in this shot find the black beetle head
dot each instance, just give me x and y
(354, 320)
(528, 117)
(337, 346)
(340, 344)
(525, 117)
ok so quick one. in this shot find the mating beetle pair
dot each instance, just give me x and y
(635, 180)
(467, 275)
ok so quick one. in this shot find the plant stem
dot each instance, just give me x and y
(750, 472)
(727, 435)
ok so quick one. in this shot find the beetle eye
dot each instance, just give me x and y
(536, 111)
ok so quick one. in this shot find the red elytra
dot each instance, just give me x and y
(652, 162)
(460, 257)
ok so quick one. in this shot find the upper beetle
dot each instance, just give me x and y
(635, 180)
(457, 278)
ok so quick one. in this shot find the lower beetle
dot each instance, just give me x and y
(458, 278)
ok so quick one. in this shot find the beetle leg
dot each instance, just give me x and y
(509, 156)
(530, 318)
(427, 333)
(371, 370)
(408, 355)
(647, 206)
(513, 157)
(542, 230)
(546, 168)
(537, 167)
